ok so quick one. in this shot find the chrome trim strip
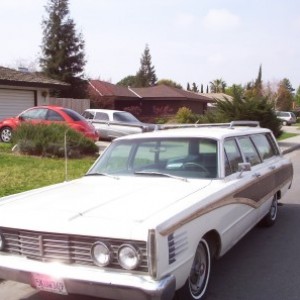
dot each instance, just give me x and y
(234, 198)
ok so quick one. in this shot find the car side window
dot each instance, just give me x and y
(249, 151)
(101, 116)
(232, 156)
(35, 114)
(88, 115)
(264, 146)
(54, 116)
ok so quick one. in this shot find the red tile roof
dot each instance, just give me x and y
(109, 89)
(160, 91)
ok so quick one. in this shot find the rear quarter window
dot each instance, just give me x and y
(264, 145)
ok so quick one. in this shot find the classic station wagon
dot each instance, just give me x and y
(149, 216)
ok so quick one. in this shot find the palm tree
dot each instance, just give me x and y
(218, 86)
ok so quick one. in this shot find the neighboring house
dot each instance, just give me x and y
(215, 97)
(22, 89)
(149, 99)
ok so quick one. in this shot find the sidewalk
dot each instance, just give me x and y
(290, 144)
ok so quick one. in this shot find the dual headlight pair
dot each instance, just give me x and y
(129, 257)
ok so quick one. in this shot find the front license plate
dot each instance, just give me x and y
(49, 284)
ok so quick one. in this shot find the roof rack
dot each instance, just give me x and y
(231, 125)
(244, 123)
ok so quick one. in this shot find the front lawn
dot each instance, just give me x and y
(20, 173)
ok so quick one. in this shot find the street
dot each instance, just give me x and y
(264, 265)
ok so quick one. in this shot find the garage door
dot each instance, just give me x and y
(12, 102)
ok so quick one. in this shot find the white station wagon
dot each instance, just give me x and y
(149, 216)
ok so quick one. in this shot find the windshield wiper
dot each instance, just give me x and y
(102, 174)
(160, 174)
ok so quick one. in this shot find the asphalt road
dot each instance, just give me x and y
(264, 265)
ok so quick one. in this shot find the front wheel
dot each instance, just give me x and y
(6, 134)
(196, 285)
(271, 216)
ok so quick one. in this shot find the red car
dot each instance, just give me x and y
(48, 115)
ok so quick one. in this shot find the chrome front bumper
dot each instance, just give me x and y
(85, 280)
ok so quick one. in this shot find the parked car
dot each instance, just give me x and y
(170, 202)
(286, 117)
(111, 124)
(47, 115)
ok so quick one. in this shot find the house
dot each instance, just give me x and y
(149, 100)
(216, 97)
(21, 89)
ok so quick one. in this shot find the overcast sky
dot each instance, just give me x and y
(189, 40)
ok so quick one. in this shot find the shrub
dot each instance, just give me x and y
(184, 115)
(49, 140)
(256, 108)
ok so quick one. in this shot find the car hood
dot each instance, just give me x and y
(96, 205)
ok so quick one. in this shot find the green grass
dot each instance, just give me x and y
(286, 135)
(20, 173)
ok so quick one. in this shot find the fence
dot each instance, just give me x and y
(79, 105)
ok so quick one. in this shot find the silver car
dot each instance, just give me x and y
(286, 117)
(111, 124)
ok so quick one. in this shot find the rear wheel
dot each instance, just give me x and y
(196, 285)
(6, 134)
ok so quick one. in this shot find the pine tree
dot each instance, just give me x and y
(188, 87)
(63, 49)
(146, 76)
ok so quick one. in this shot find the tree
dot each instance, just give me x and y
(188, 87)
(127, 81)
(256, 108)
(146, 76)
(195, 88)
(258, 82)
(63, 50)
(235, 89)
(297, 96)
(170, 83)
(217, 86)
(284, 100)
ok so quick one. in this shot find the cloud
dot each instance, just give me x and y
(220, 20)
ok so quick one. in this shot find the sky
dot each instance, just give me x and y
(189, 40)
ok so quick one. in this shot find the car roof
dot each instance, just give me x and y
(214, 132)
(103, 110)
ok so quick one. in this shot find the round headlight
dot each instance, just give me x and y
(129, 257)
(101, 254)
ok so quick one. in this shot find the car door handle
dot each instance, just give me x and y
(256, 175)
(272, 167)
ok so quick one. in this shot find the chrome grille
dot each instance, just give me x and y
(63, 248)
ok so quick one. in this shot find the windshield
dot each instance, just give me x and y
(184, 157)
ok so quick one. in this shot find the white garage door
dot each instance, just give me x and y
(12, 102)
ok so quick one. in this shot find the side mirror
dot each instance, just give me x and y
(242, 167)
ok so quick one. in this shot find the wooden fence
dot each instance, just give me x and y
(79, 105)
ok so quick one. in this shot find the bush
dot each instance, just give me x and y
(49, 140)
(256, 108)
(184, 115)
